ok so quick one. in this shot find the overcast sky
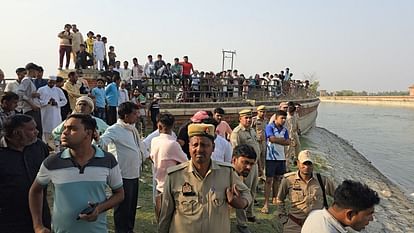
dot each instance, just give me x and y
(352, 44)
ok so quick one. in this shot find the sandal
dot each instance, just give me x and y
(264, 210)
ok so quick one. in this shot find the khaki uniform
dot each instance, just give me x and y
(241, 135)
(292, 124)
(191, 203)
(260, 126)
(304, 198)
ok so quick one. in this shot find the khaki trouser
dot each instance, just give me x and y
(291, 227)
(262, 157)
(251, 182)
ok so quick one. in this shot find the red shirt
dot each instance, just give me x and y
(187, 67)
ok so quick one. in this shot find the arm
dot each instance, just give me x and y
(281, 196)
(62, 99)
(228, 153)
(238, 195)
(167, 208)
(228, 131)
(57, 132)
(234, 139)
(44, 98)
(329, 187)
(281, 141)
(36, 207)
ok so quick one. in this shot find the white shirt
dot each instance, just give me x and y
(126, 74)
(147, 140)
(121, 143)
(222, 150)
(25, 91)
(51, 113)
(122, 96)
(321, 221)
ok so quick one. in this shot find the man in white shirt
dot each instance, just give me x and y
(14, 85)
(99, 52)
(149, 68)
(122, 140)
(137, 74)
(125, 73)
(52, 99)
(353, 207)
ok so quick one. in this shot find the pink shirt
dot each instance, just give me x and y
(165, 152)
(223, 128)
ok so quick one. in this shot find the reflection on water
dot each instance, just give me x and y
(384, 135)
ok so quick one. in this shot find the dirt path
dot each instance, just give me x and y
(395, 213)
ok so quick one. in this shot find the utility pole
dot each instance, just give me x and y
(230, 55)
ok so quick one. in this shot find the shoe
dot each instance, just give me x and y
(243, 229)
(251, 219)
(60, 68)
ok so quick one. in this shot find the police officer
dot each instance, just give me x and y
(304, 190)
(259, 123)
(245, 134)
(197, 193)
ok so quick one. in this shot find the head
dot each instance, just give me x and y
(199, 116)
(82, 47)
(291, 110)
(185, 58)
(201, 143)
(280, 118)
(165, 123)
(104, 39)
(261, 111)
(90, 34)
(122, 85)
(136, 92)
(149, 58)
(126, 64)
(40, 72)
(9, 101)
(354, 204)
(20, 72)
(67, 27)
(117, 80)
(128, 112)
(245, 118)
(305, 163)
(32, 70)
(283, 106)
(73, 77)
(111, 48)
(176, 60)
(135, 61)
(218, 114)
(78, 129)
(98, 37)
(100, 83)
(74, 28)
(51, 81)
(84, 105)
(21, 130)
(243, 160)
(159, 57)
(59, 81)
(118, 64)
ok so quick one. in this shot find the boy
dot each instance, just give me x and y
(111, 55)
(83, 58)
(99, 93)
(139, 99)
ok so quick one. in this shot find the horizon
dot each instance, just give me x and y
(346, 45)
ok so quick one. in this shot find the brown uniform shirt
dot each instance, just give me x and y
(241, 135)
(191, 203)
(304, 197)
(259, 125)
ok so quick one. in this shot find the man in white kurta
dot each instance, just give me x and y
(52, 99)
(99, 52)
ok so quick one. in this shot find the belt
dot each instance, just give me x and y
(296, 220)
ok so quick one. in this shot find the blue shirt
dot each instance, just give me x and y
(111, 92)
(99, 94)
(76, 186)
(275, 151)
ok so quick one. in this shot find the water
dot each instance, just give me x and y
(384, 135)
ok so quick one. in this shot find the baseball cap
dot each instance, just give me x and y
(305, 156)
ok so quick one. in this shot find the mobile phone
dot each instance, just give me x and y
(88, 210)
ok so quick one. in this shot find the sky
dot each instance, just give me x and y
(353, 44)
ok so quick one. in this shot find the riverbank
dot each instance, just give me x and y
(340, 160)
(401, 101)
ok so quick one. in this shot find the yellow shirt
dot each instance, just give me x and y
(191, 203)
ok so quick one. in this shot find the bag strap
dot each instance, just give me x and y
(325, 202)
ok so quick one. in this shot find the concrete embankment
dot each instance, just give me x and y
(401, 101)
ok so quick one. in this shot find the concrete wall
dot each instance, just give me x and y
(404, 101)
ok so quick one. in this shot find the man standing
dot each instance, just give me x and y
(245, 134)
(243, 161)
(198, 193)
(122, 139)
(305, 191)
(112, 95)
(188, 69)
(292, 124)
(21, 155)
(99, 52)
(126, 73)
(72, 86)
(137, 74)
(81, 175)
(7, 108)
(353, 206)
(223, 128)
(65, 109)
(39, 81)
(77, 40)
(65, 45)
(176, 71)
(149, 69)
(259, 123)
(277, 137)
(51, 100)
(27, 93)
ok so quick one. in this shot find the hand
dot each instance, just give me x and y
(41, 229)
(232, 193)
(92, 216)
(35, 95)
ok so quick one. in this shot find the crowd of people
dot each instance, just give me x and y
(86, 141)
(199, 173)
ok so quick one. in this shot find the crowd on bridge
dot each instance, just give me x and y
(87, 140)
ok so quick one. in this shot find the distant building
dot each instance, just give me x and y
(411, 90)
(323, 93)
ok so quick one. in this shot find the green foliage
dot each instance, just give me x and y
(364, 93)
